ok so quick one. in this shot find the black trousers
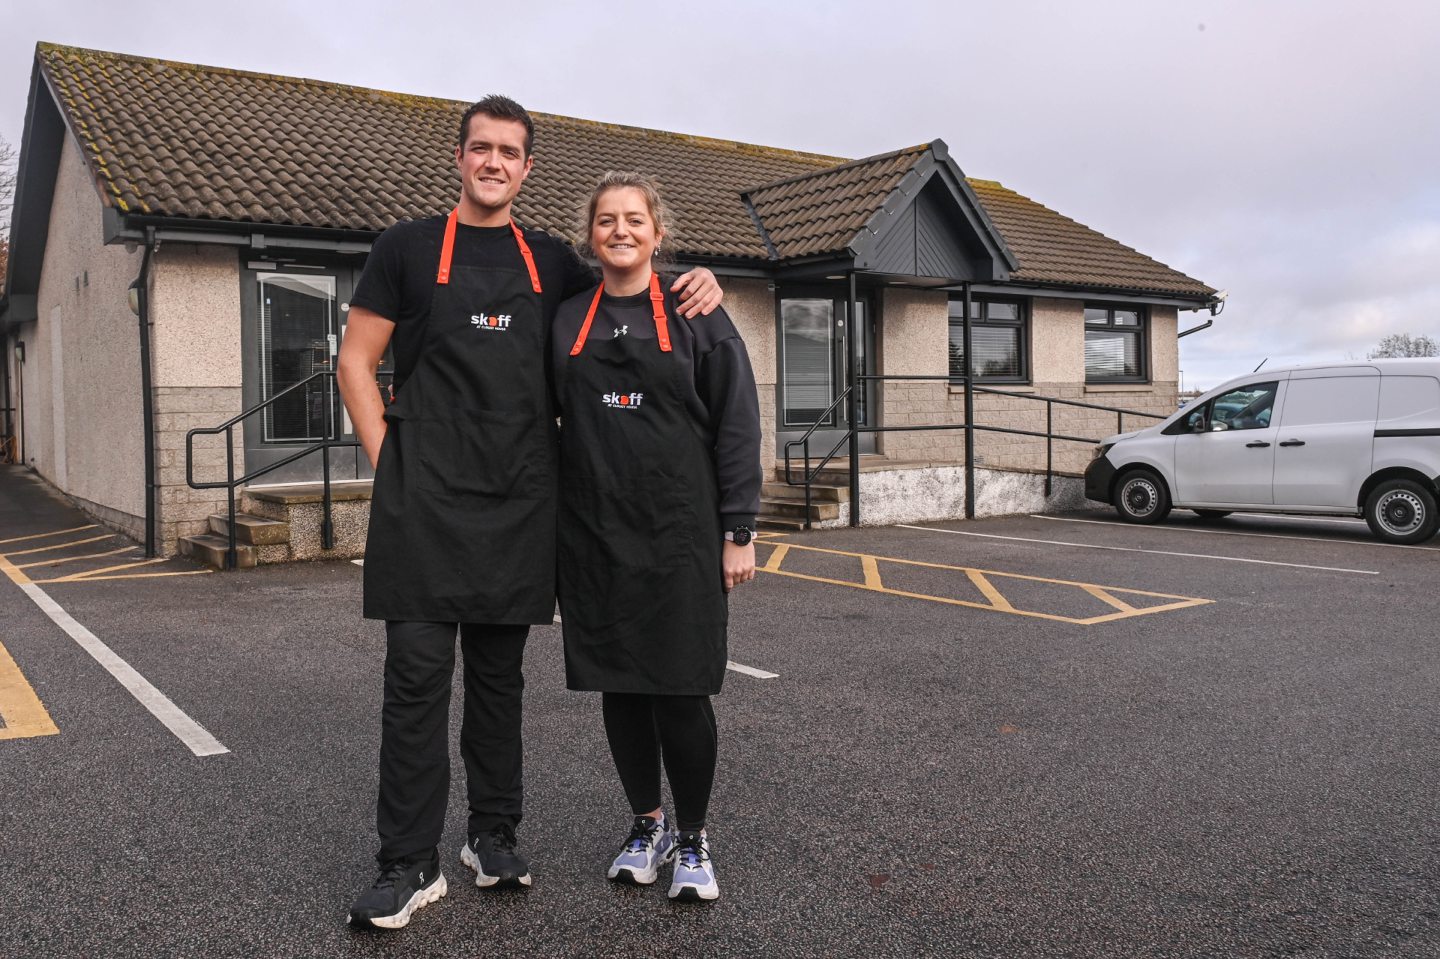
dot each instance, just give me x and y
(415, 731)
(641, 729)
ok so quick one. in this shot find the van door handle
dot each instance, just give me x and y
(1293, 443)
(1259, 443)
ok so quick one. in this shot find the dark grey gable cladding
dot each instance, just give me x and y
(933, 226)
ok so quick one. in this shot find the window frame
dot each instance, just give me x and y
(1020, 323)
(1142, 336)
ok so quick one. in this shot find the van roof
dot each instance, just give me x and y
(1411, 366)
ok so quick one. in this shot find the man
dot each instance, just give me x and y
(462, 523)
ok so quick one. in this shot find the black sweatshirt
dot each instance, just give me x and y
(723, 401)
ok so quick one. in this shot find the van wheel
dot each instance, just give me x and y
(1402, 511)
(1212, 513)
(1141, 497)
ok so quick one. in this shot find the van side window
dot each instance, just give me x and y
(1247, 408)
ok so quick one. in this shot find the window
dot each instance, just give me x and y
(998, 337)
(1246, 408)
(1115, 344)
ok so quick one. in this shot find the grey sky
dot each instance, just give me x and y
(1288, 152)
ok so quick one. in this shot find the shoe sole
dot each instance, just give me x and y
(627, 876)
(434, 892)
(486, 881)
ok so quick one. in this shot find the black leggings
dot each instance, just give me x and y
(641, 729)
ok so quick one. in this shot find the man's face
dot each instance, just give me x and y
(492, 162)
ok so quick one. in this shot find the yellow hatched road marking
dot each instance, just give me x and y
(92, 578)
(71, 559)
(46, 549)
(23, 713)
(988, 590)
(982, 580)
(75, 577)
(1101, 594)
(58, 532)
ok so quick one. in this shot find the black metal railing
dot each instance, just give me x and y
(807, 480)
(231, 481)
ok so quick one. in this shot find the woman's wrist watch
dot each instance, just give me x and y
(740, 535)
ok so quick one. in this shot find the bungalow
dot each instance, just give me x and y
(232, 213)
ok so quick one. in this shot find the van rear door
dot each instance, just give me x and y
(1326, 437)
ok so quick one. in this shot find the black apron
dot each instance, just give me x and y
(462, 524)
(641, 597)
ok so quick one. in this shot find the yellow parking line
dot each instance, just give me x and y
(92, 578)
(23, 714)
(95, 573)
(988, 590)
(45, 549)
(872, 572)
(71, 559)
(1099, 593)
(58, 532)
(983, 580)
(776, 558)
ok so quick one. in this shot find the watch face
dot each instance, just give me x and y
(742, 535)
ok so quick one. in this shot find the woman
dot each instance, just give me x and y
(660, 483)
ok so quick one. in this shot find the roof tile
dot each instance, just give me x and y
(186, 141)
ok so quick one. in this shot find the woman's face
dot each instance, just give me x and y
(623, 234)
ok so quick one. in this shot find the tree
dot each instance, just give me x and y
(7, 193)
(1403, 344)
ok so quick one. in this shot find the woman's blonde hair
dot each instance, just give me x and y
(648, 187)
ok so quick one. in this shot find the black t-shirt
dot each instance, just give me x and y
(399, 278)
(723, 400)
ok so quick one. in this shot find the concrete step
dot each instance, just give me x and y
(789, 524)
(784, 491)
(252, 530)
(819, 509)
(210, 550)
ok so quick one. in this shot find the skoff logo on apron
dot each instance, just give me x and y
(622, 401)
(491, 322)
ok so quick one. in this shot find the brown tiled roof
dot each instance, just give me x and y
(179, 140)
(823, 211)
(1055, 249)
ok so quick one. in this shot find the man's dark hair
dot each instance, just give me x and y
(499, 108)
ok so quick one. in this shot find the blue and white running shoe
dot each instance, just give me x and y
(648, 845)
(694, 877)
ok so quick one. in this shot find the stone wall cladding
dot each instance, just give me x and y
(185, 511)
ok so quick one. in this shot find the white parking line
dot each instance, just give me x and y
(187, 730)
(750, 671)
(1157, 552)
(1231, 532)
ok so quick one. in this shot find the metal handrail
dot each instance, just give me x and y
(1049, 434)
(327, 526)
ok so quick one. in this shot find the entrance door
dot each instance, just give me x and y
(294, 320)
(813, 344)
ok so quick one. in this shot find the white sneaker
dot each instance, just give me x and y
(694, 877)
(648, 845)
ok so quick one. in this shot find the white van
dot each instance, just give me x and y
(1344, 439)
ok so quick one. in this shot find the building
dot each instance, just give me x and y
(233, 211)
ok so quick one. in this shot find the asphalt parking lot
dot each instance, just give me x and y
(1030, 736)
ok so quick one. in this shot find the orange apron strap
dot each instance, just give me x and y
(662, 325)
(529, 257)
(447, 249)
(585, 327)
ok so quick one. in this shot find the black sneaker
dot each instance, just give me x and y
(493, 857)
(404, 886)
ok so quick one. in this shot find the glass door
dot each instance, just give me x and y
(292, 324)
(813, 344)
